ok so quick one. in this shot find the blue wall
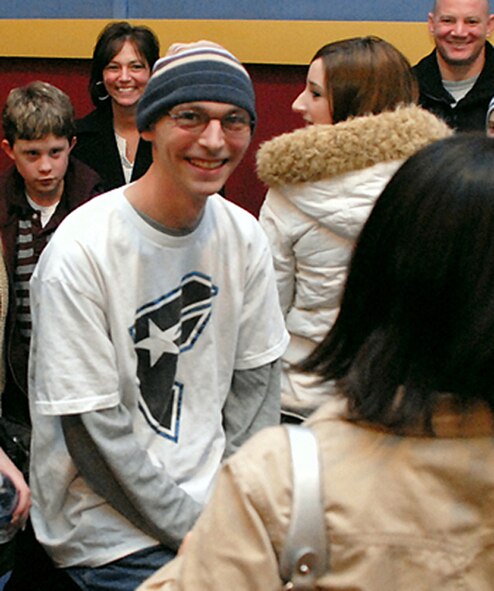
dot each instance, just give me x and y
(338, 10)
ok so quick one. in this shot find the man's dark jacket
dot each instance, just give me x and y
(470, 112)
(80, 184)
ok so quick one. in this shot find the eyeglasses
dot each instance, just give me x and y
(196, 121)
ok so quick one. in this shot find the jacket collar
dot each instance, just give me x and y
(320, 152)
(14, 200)
(448, 420)
(431, 80)
(80, 184)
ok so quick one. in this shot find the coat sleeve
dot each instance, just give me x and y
(235, 543)
(280, 239)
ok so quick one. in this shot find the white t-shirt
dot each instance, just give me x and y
(46, 211)
(126, 314)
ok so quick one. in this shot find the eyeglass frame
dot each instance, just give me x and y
(206, 119)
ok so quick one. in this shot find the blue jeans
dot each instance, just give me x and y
(124, 574)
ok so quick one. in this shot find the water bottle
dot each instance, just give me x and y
(9, 497)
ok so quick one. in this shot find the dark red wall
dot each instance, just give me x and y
(276, 87)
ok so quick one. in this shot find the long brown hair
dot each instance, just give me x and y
(366, 75)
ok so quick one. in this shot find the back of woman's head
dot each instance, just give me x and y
(110, 42)
(366, 75)
(418, 305)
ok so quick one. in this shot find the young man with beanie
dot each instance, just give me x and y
(156, 336)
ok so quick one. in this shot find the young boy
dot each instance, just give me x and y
(36, 194)
(42, 187)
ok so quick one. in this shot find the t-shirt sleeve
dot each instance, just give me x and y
(262, 337)
(70, 338)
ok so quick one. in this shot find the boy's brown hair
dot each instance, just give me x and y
(36, 110)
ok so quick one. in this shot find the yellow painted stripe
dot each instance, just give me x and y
(253, 41)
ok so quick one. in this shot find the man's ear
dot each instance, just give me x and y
(7, 148)
(430, 23)
(490, 25)
(73, 142)
(147, 134)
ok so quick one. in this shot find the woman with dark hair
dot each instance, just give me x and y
(108, 139)
(406, 439)
(323, 180)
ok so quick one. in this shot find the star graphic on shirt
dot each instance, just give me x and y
(160, 341)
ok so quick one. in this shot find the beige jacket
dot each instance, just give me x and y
(323, 182)
(402, 512)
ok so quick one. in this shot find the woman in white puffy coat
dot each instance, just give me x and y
(359, 103)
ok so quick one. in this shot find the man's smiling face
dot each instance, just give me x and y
(460, 29)
(199, 161)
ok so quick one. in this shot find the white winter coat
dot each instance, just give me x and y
(323, 181)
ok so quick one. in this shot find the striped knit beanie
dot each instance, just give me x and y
(197, 74)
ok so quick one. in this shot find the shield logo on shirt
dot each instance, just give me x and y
(163, 330)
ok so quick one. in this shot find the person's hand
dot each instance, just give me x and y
(178, 47)
(20, 515)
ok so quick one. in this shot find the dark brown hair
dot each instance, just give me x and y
(110, 42)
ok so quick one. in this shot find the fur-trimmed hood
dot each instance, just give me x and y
(323, 151)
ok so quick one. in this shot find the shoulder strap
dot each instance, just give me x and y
(305, 554)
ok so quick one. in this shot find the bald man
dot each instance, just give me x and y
(457, 78)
